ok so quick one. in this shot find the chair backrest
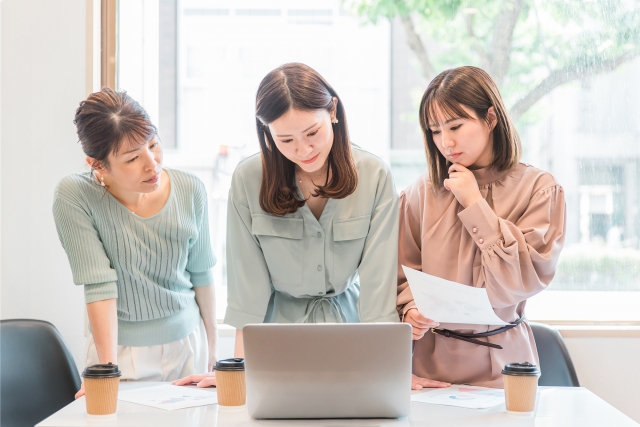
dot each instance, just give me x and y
(555, 361)
(37, 372)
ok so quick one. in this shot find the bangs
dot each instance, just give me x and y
(131, 133)
(129, 142)
(273, 98)
(441, 108)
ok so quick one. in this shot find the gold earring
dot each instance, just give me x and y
(335, 121)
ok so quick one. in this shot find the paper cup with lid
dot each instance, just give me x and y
(101, 388)
(230, 382)
(520, 387)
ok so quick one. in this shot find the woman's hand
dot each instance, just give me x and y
(205, 380)
(420, 324)
(462, 183)
(212, 359)
(206, 300)
(418, 383)
(80, 392)
(104, 324)
(212, 343)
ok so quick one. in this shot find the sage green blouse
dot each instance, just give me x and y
(342, 268)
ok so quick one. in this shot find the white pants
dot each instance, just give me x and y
(165, 362)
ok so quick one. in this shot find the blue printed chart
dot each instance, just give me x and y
(462, 396)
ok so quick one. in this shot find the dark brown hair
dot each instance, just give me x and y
(473, 88)
(106, 119)
(300, 87)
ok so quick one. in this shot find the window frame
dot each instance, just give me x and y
(108, 68)
(108, 43)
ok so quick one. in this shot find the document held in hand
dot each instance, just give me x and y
(450, 302)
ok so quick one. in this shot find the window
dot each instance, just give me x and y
(202, 100)
(567, 70)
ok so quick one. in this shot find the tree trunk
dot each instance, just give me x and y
(417, 46)
(502, 39)
(565, 75)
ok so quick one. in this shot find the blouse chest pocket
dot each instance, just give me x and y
(349, 236)
(282, 247)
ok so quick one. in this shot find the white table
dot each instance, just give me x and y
(557, 406)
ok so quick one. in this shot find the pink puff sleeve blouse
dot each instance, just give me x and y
(508, 242)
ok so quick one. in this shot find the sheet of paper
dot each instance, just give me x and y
(169, 397)
(462, 396)
(450, 302)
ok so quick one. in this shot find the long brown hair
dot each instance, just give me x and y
(300, 87)
(473, 88)
(106, 119)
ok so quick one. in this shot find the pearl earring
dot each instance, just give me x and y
(335, 121)
(101, 181)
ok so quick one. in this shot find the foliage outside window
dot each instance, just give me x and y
(532, 48)
(568, 71)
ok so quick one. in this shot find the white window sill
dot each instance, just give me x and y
(576, 314)
(584, 330)
(602, 308)
(597, 331)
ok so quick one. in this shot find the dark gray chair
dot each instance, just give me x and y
(38, 375)
(555, 361)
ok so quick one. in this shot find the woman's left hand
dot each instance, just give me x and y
(462, 183)
(204, 380)
(212, 359)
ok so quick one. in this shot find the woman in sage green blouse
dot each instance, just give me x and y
(312, 220)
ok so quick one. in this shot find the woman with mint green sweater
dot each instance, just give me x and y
(137, 237)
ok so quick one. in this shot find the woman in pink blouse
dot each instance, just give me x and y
(481, 218)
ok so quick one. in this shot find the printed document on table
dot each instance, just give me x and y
(169, 397)
(450, 302)
(463, 396)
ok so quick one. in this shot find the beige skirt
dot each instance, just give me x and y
(165, 362)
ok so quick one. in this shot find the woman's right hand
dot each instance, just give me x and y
(204, 380)
(420, 324)
(418, 383)
(80, 392)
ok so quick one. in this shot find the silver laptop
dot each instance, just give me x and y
(357, 370)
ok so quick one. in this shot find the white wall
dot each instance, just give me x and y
(608, 366)
(43, 77)
(43, 73)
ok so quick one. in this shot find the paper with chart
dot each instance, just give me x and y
(450, 302)
(169, 397)
(463, 396)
